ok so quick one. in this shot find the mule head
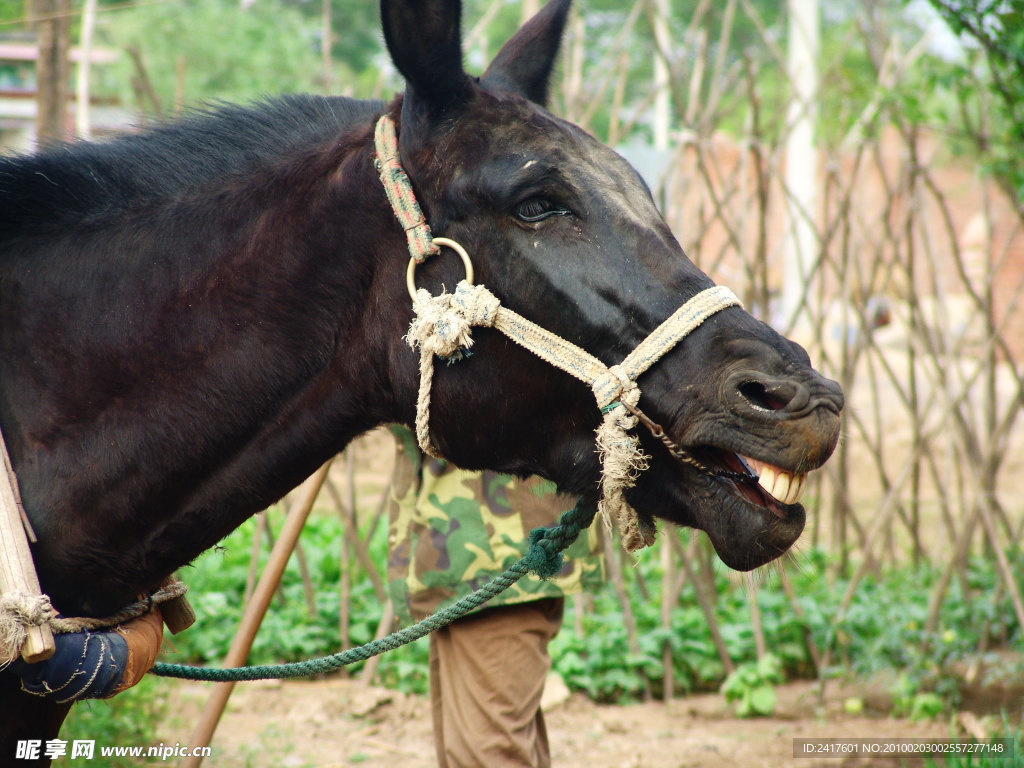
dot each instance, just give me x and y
(562, 230)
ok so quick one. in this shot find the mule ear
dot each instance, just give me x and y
(425, 42)
(524, 64)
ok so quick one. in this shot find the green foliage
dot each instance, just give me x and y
(290, 632)
(600, 663)
(130, 718)
(201, 50)
(11, 11)
(914, 704)
(988, 89)
(751, 686)
(1013, 733)
(883, 629)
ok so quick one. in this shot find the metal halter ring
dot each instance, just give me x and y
(410, 272)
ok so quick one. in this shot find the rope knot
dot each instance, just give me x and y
(475, 303)
(622, 460)
(442, 328)
(438, 327)
(614, 384)
(18, 611)
(545, 558)
(443, 323)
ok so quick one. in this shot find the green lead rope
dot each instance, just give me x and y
(543, 558)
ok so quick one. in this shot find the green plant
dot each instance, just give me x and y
(1010, 752)
(883, 628)
(910, 702)
(290, 632)
(128, 719)
(751, 686)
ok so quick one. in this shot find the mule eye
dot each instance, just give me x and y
(537, 209)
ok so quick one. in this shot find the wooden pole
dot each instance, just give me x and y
(667, 602)
(17, 571)
(52, 70)
(386, 626)
(255, 611)
(615, 575)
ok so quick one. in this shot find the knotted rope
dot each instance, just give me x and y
(18, 611)
(442, 328)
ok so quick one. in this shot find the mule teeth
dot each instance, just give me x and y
(783, 486)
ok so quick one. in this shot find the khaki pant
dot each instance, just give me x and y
(487, 675)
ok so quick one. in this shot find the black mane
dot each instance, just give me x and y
(70, 183)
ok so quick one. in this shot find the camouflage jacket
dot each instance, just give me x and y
(451, 531)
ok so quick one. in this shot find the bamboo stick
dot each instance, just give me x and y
(615, 575)
(385, 626)
(255, 611)
(358, 544)
(254, 557)
(706, 605)
(668, 668)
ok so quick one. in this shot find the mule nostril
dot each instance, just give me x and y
(776, 397)
(757, 394)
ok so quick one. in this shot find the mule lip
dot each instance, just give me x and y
(747, 535)
(746, 524)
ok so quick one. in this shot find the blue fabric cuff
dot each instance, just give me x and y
(86, 665)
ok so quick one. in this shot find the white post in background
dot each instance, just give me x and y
(801, 243)
(83, 128)
(530, 9)
(662, 91)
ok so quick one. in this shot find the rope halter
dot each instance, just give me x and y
(442, 328)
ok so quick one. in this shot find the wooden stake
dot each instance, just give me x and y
(667, 603)
(17, 571)
(255, 611)
(177, 612)
(386, 625)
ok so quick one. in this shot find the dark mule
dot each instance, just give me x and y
(193, 318)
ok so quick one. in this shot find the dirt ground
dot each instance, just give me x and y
(336, 723)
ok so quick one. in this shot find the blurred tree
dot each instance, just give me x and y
(11, 11)
(355, 44)
(995, 28)
(199, 50)
(52, 69)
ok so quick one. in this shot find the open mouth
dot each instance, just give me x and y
(761, 484)
(758, 482)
